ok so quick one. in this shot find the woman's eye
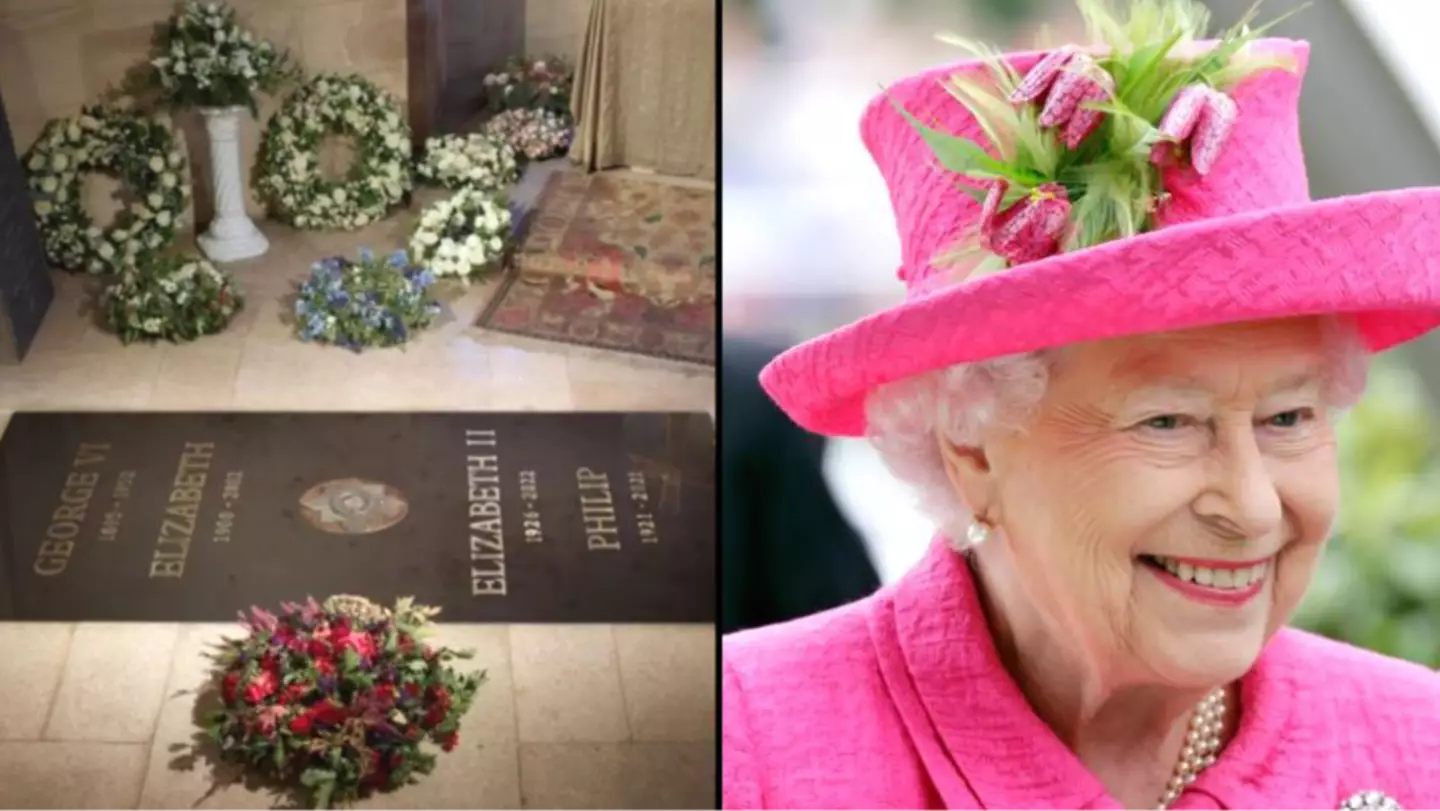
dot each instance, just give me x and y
(1289, 419)
(1164, 422)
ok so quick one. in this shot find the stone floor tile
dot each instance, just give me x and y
(30, 670)
(623, 775)
(70, 774)
(667, 673)
(567, 683)
(113, 683)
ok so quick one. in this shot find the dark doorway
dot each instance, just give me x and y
(450, 45)
(25, 286)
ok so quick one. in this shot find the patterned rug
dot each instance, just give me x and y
(615, 262)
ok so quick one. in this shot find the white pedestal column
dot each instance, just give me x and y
(231, 236)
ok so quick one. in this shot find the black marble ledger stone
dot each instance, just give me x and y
(526, 517)
(25, 287)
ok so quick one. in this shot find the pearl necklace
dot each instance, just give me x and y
(1202, 745)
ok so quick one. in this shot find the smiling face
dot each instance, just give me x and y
(1166, 509)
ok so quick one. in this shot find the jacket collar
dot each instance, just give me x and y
(979, 739)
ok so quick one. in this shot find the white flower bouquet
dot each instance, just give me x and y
(289, 179)
(172, 299)
(464, 236)
(476, 160)
(533, 134)
(205, 59)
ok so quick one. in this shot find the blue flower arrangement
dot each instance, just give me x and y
(366, 302)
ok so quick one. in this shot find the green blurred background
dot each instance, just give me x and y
(1378, 585)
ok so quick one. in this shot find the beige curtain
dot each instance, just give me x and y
(645, 87)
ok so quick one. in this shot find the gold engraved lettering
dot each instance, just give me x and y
(183, 510)
(530, 514)
(59, 549)
(487, 539)
(63, 531)
(233, 480)
(481, 585)
(225, 521)
(167, 568)
(70, 513)
(91, 453)
(177, 530)
(192, 480)
(58, 544)
(112, 518)
(480, 438)
(123, 484)
(644, 520)
(597, 510)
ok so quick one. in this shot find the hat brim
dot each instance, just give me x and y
(1375, 256)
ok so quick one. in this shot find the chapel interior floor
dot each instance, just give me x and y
(97, 714)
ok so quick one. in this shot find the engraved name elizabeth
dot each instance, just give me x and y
(202, 502)
(600, 526)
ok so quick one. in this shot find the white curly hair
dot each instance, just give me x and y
(962, 402)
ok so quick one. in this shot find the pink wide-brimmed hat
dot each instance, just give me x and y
(1231, 232)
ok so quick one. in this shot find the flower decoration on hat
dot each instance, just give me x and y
(1078, 145)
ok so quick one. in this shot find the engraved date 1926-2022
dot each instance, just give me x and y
(530, 517)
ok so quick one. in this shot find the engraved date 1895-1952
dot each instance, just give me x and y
(111, 520)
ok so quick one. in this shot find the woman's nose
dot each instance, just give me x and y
(1241, 499)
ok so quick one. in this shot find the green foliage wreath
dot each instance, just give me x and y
(108, 138)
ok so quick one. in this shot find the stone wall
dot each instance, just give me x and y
(56, 55)
(555, 27)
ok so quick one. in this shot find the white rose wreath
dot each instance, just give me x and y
(463, 236)
(288, 175)
(107, 138)
(478, 160)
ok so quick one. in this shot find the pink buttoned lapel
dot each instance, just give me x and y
(977, 736)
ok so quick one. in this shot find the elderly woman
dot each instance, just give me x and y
(1114, 383)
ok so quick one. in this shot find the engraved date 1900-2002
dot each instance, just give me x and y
(225, 521)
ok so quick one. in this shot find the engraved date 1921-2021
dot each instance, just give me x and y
(644, 519)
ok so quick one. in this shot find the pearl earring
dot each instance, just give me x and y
(978, 533)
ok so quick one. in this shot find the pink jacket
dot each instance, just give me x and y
(900, 701)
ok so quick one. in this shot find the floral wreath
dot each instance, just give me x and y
(478, 160)
(107, 138)
(288, 174)
(533, 134)
(463, 236)
(340, 697)
(1082, 139)
(527, 82)
(372, 301)
(174, 299)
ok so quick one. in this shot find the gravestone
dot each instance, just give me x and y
(25, 286)
(587, 517)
